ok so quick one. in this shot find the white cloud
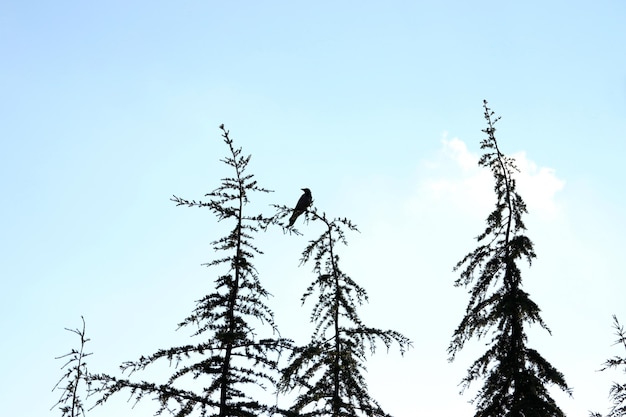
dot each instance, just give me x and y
(457, 150)
(537, 185)
(456, 178)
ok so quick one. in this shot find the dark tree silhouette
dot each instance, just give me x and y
(328, 371)
(229, 362)
(515, 376)
(76, 378)
(617, 393)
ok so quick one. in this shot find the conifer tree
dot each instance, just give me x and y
(328, 371)
(516, 377)
(229, 361)
(617, 393)
(76, 377)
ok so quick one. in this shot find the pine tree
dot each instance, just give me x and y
(77, 377)
(229, 359)
(328, 371)
(515, 376)
(617, 393)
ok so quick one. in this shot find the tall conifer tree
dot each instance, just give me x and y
(617, 393)
(216, 376)
(516, 377)
(75, 382)
(328, 371)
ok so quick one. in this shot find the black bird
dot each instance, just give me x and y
(303, 203)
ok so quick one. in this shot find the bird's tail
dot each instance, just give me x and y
(294, 217)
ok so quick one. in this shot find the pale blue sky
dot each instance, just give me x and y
(108, 109)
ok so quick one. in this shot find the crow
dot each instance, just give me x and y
(303, 203)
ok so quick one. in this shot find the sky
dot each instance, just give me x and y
(108, 109)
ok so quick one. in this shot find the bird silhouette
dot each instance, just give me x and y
(303, 203)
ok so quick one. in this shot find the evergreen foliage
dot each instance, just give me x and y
(229, 361)
(76, 376)
(617, 393)
(515, 376)
(328, 371)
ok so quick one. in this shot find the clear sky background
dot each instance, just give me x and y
(109, 108)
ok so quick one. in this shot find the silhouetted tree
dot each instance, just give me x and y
(230, 361)
(617, 393)
(328, 371)
(76, 378)
(515, 376)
